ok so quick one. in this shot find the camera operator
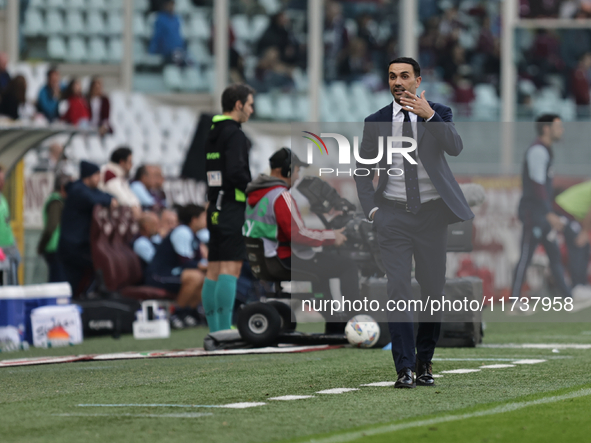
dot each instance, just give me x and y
(273, 215)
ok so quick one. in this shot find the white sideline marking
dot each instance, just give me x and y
(337, 390)
(437, 375)
(183, 415)
(433, 421)
(480, 359)
(460, 371)
(531, 361)
(242, 405)
(380, 383)
(538, 346)
(162, 405)
(291, 397)
(496, 366)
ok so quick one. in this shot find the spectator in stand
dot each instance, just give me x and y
(74, 242)
(50, 95)
(52, 218)
(99, 107)
(580, 85)
(14, 99)
(280, 36)
(336, 38)
(144, 180)
(167, 39)
(4, 75)
(271, 73)
(357, 62)
(178, 266)
(7, 242)
(76, 110)
(168, 221)
(145, 245)
(114, 179)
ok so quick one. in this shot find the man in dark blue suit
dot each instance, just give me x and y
(413, 203)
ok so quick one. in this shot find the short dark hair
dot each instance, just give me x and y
(545, 120)
(61, 180)
(120, 154)
(408, 60)
(139, 174)
(52, 69)
(188, 212)
(234, 93)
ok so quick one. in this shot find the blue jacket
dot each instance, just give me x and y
(435, 138)
(76, 218)
(167, 35)
(47, 104)
(179, 250)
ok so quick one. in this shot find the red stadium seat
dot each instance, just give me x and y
(110, 235)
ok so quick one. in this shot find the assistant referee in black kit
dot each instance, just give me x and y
(228, 173)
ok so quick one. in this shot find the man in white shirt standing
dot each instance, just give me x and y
(115, 179)
(411, 207)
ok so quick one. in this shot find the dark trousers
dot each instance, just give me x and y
(578, 256)
(402, 235)
(56, 269)
(78, 271)
(536, 231)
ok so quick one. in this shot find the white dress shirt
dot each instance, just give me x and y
(395, 188)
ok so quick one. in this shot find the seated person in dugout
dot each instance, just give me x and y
(145, 245)
(273, 215)
(177, 265)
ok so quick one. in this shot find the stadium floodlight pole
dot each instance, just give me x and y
(508, 81)
(407, 33)
(221, 20)
(127, 62)
(315, 56)
(11, 35)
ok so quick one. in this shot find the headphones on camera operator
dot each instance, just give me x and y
(285, 163)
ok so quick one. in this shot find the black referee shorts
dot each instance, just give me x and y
(225, 232)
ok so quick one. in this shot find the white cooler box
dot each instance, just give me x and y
(56, 326)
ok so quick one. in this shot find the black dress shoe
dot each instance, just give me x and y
(405, 379)
(425, 374)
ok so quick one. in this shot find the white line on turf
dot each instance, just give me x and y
(496, 366)
(437, 375)
(531, 361)
(460, 371)
(537, 346)
(380, 383)
(183, 415)
(509, 407)
(162, 405)
(337, 390)
(291, 397)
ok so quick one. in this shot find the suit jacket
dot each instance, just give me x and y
(434, 138)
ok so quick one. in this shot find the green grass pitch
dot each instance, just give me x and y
(548, 401)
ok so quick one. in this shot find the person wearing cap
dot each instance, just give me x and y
(273, 215)
(74, 243)
(228, 172)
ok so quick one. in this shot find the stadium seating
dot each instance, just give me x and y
(110, 234)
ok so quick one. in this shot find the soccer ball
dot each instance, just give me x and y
(362, 331)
